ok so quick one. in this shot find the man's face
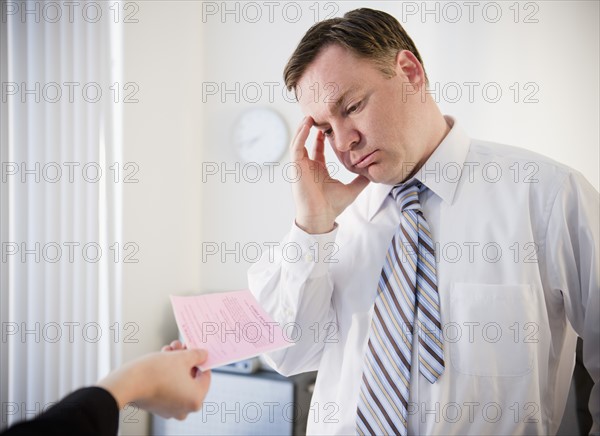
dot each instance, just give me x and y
(373, 122)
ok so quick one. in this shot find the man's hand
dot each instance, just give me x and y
(167, 383)
(319, 199)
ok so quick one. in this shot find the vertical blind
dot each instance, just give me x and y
(60, 201)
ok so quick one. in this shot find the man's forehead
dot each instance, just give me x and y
(329, 87)
(328, 93)
(333, 63)
(335, 73)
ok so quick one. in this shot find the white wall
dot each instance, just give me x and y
(162, 134)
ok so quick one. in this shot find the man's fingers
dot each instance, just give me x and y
(319, 148)
(298, 148)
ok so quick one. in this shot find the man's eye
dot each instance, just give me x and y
(328, 132)
(353, 108)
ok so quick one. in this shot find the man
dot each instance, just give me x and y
(442, 291)
(167, 384)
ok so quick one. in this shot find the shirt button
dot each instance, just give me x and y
(309, 258)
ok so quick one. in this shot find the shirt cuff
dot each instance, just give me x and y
(319, 250)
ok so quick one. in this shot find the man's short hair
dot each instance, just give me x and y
(367, 33)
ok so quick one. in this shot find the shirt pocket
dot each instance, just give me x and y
(484, 332)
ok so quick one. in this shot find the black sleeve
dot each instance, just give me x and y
(89, 411)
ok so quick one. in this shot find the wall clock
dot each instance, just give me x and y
(260, 135)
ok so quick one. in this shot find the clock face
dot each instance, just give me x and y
(260, 135)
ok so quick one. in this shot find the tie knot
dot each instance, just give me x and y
(407, 196)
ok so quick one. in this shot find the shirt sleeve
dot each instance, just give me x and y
(89, 411)
(292, 281)
(572, 250)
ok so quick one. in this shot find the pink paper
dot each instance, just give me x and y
(231, 326)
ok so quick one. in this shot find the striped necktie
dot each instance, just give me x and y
(407, 286)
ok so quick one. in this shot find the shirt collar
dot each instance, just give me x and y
(440, 173)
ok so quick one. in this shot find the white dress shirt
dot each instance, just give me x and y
(517, 242)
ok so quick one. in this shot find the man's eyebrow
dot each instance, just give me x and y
(336, 104)
(320, 125)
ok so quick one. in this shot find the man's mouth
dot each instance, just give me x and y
(365, 161)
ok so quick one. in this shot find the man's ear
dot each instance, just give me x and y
(409, 66)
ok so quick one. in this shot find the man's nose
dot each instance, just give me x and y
(346, 138)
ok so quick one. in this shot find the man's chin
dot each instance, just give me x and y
(375, 175)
